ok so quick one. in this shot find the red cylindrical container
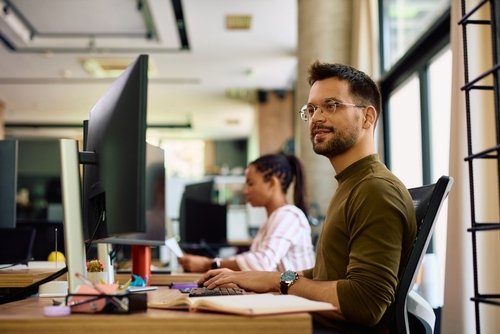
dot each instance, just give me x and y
(141, 262)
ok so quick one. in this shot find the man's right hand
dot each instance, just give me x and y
(256, 281)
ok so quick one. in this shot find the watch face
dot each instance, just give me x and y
(287, 279)
(288, 276)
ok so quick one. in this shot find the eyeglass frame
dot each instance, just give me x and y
(305, 116)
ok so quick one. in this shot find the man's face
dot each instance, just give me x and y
(333, 133)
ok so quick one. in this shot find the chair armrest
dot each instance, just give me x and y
(422, 310)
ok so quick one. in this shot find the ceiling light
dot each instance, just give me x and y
(238, 22)
(109, 67)
(232, 121)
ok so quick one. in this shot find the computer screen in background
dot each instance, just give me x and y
(8, 183)
(16, 246)
(205, 223)
(201, 191)
(49, 237)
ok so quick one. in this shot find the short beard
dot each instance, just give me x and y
(340, 143)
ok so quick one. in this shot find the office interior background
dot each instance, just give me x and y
(227, 79)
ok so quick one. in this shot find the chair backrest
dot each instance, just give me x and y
(428, 200)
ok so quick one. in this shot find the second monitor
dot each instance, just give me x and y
(202, 222)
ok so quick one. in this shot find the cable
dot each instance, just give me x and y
(30, 289)
(12, 265)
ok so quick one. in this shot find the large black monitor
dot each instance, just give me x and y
(201, 191)
(117, 161)
(205, 223)
(202, 222)
(8, 183)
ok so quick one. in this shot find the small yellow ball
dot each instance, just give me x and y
(56, 256)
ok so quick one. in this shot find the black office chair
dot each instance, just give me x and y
(412, 313)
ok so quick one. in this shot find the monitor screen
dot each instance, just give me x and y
(116, 160)
(205, 223)
(8, 183)
(201, 191)
(49, 237)
(201, 221)
(16, 245)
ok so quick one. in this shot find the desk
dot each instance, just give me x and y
(163, 279)
(26, 317)
(20, 278)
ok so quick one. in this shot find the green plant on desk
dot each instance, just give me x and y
(94, 266)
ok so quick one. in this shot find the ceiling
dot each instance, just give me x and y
(203, 77)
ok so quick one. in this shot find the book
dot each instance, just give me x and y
(249, 304)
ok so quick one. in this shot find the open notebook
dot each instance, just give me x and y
(249, 304)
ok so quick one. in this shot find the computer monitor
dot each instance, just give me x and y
(8, 183)
(205, 223)
(116, 162)
(201, 191)
(202, 222)
(49, 237)
(16, 246)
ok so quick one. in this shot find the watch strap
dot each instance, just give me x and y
(215, 263)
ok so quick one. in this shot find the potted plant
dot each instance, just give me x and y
(95, 272)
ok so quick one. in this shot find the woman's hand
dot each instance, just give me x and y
(195, 263)
(256, 281)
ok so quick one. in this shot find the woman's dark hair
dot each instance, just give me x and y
(285, 168)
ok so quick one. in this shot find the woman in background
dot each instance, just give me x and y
(283, 242)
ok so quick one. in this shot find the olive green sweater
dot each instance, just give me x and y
(365, 242)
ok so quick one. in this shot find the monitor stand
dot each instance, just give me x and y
(103, 251)
(141, 262)
(73, 227)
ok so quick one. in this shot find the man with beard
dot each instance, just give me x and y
(370, 222)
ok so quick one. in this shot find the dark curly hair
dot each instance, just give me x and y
(286, 168)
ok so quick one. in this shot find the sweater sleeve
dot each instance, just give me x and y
(376, 222)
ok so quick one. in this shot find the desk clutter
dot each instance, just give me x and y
(89, 300)
(92, 297)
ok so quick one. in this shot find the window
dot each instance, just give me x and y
(440, 113)
(406, 137)
(404, 22)
(416, 96)
(416, 93)
(184, 158)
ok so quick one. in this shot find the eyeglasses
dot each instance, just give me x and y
(329, 107)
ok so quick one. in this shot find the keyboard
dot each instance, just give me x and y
(205, 292)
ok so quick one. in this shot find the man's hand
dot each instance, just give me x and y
(256, 281)
(195, 263)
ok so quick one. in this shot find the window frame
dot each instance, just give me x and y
(416, 60)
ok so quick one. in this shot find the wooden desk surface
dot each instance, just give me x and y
(163, 279)
(26, 317)
(23, 277)
(18, 278)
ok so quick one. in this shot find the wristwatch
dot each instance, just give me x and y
(215, 263)
(286, 280)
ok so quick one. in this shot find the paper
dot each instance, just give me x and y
(174, 247)
(249, 304)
